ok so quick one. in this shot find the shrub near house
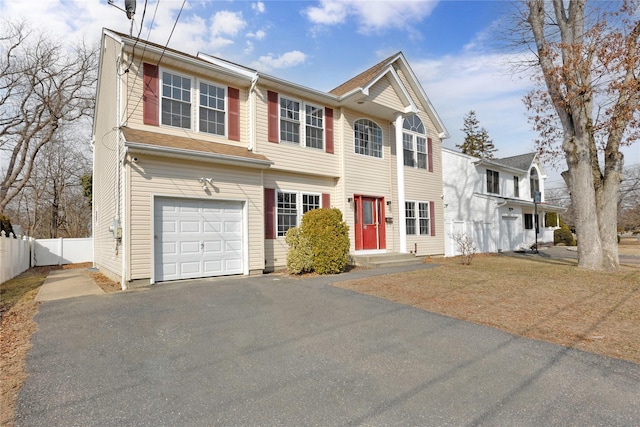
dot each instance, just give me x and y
(320, 244)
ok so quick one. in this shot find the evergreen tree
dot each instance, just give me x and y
(476, 141)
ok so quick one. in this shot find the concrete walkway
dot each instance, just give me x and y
(61, 284)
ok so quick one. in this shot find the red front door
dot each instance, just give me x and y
(370, 230)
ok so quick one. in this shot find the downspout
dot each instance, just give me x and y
(252, 132)
(402, 223)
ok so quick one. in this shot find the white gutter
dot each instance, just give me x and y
(402, 223)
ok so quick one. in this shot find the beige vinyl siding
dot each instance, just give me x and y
(134, 107)
(276, 249)
(161, 176)
(107, 256)
(384, 94)
(424, 186)
(367, 175)
(291, 157)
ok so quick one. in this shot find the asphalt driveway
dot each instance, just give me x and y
(275, 351)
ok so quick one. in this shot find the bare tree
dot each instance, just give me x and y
(589, 102)
(43, 85)
(466, 247)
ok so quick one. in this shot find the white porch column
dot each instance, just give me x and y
(402, 226)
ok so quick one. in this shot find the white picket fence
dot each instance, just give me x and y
(17, 255)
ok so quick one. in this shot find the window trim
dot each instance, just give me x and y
(225, 111)
(417, 218)
(299, 208)
(516, 187)
(302, 122)
(495, 180)
(323, 128)
(161, 73)
(355, 146)
(413, 127)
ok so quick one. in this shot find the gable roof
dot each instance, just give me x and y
(365, 77)
(522, 161)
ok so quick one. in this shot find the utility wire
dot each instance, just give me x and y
(164, 49)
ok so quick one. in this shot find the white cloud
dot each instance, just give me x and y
(258, 35)
(286, 60)
(372, 16)
(456, 84)
(258, 7)
(227, 23)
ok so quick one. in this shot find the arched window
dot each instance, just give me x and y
(534, 183)
(414, 142)
(367, 138)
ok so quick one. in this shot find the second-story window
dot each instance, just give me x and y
(176, 100)
(314, 130)
(367, 138)
(493, 182)
(289, 120)
(212, 109)
(516, 187)
(414, 142)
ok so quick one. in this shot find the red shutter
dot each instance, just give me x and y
(234, 113)
(326, 200)
(430, 154)
(328, 118)
(269, 213)
(272, 99)
(150, 94)
(432, 218)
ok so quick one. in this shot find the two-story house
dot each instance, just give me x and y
(492, 201)
(202, 165)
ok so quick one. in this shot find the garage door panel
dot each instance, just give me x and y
(189, 226)
(212, 226)
(197, 238)
(213, 267)
(212, 247)
(169, 248)
(189, 247)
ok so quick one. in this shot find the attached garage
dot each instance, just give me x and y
(196, 238)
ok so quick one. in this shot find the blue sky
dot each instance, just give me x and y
(450, 46)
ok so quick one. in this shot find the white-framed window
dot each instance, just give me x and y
(291, 205)
(293, 113)
(314, 129)
(310, 202)
(289, 120)
(414, 142)
(493, 182)
(410, 215)
(212, 112)
(516, 186)
(176, 100)
(417, 218)
(367, 138)
(423, 217)
(407, 149)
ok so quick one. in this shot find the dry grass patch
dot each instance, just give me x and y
(550, 300)
(629, 246)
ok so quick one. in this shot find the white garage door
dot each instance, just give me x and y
(195, 238)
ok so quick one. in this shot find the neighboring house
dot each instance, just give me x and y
(492, 201)
(202, 165)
